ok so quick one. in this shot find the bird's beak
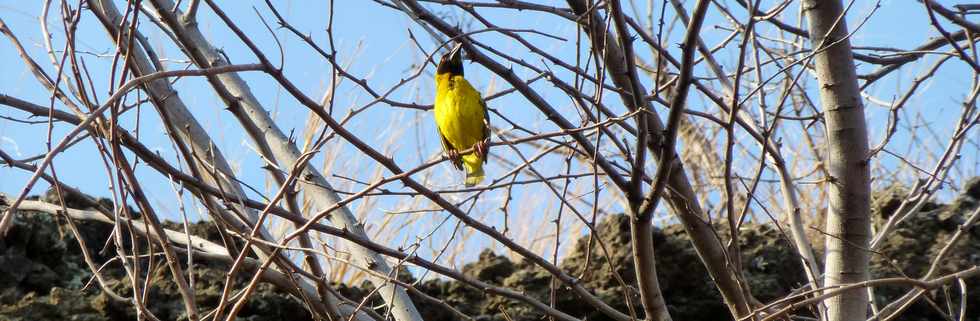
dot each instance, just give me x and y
(456, 54)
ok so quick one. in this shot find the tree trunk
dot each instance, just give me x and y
(849, 186)
(277, 146)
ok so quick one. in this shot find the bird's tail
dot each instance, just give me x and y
(474, 169)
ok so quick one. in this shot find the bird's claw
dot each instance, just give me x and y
(454, 158)
(482, 148)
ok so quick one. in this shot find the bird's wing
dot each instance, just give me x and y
(486, 126)
(447, 146)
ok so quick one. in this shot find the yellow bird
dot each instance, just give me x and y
(461, 116)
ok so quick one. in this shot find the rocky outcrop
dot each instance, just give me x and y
(43, 275)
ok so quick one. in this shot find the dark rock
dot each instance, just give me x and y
(43, 275)
(972, 188)
(489, 267)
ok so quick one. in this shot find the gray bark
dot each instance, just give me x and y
(679, 194)
(205, 160)
(849, 187)
(203, 157)
(276, 146)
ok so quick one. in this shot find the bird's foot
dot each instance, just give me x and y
(454, 158)
(482, 148)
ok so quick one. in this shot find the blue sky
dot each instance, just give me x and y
(374, 41)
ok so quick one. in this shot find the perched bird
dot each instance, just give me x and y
(461, 116)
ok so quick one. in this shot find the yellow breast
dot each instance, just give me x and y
(458, 111)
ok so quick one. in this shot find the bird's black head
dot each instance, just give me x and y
(452, 62)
